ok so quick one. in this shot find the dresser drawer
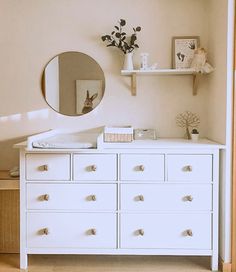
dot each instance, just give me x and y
(142, 167)
(71, 230)
(95, 167)
(72, 196)
(176, 231)
(166, 197)
(189, 168)
(47, 167)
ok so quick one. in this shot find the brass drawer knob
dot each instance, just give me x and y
(141, 232)
(93, 197)
(141, 168)
(189, 232)
(46, 197)
(94, 167)
(189, 168)
(93, 231)
(141, 198)
(45, 167)
(188, 198)
(46, 231)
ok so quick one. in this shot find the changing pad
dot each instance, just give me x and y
(65, 141)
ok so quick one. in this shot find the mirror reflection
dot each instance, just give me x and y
(73, 83)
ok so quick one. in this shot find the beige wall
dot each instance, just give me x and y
(32, 32)
(216, 85)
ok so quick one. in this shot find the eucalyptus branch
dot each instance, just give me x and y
(118, 38)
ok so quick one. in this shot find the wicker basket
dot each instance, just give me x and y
(118, 134)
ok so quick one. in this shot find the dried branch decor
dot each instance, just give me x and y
(186, 120)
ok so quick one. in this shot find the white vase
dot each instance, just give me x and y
(128, 61)
(195, 137)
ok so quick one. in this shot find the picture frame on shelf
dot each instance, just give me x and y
(183, 48)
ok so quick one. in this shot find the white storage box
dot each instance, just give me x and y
(118, 134)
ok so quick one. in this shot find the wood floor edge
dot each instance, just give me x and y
(225, 267)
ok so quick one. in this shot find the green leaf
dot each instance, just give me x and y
(116, 27)
(136, 46)
(111, 44)
(123, 33)
(133, 39)
(103, 38)
(122, 22)
(113, 32)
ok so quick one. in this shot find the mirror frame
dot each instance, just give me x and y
(43, 87)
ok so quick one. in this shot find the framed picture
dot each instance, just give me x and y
(183, 51)
(88, 95)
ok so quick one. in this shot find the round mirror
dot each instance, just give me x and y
(73, 83)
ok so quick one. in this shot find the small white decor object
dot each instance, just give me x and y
(128, 62)
(200, 63)
(145, 134)
(144, 61)
(195, 135)
(118, 134)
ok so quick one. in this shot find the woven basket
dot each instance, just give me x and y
(118, 134)
(115, 137)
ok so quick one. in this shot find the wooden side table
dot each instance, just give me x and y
(9, 213)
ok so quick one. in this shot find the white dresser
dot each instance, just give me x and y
(143, 198)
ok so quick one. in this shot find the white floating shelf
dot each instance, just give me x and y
(159, 72)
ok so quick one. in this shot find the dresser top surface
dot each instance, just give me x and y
(161, 143)
(165, 143)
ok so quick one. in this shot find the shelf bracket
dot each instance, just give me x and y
(133, 84)
(161, 72)
(195, 83)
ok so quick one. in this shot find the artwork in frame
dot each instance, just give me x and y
(183, 51)
(88, 95)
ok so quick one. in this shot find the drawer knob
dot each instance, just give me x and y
(46, 231)
(93, 197)
(43, 167)
(94, 167)
(188, 198)
(93, 231)
(46, 197)
(141, 168)
(189, 168)
(141, 232)
(141, 198)
(189, 232)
